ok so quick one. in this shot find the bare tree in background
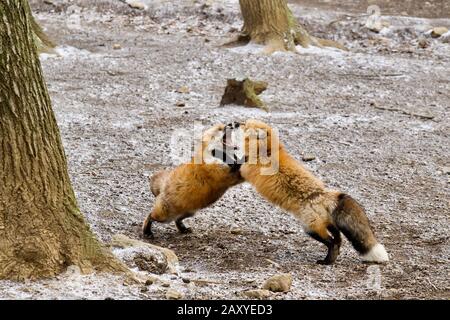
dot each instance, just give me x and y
(271, 23)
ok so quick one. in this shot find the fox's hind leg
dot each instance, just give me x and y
(330, 236)
(181, 226)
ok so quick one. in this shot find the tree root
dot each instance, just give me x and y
(240, 40)
(43, 43)
(304, 39)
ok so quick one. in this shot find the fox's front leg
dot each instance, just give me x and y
(159, 213)
(147, 227)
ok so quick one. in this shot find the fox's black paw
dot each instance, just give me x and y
(181, 226)
(147, 232)
(150, 236)
(185, 231)
(324, 262)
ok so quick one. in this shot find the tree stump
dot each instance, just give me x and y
(244, 93)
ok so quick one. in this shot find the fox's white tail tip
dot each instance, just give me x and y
(377, 254)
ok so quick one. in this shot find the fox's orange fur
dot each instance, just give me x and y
(323, 213)
(190, 187)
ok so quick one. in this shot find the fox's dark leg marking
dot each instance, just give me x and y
(333, 244)
(147, 228)
(180, 225)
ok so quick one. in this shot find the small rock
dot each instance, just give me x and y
(257, 293)
(374, 25)
(383, 41)
(149, 282)
(308, 157)
(136, 4)
(438, 31)
(165, 284)
(236, 231)
(173, 294)
(180, 104)
(144, 289)
(423, 43)
(117, 46)
(73, 269)
(183, 89)
(279, 283)
(186, 280)
(131, 248)
(151, 261)
(445, 38)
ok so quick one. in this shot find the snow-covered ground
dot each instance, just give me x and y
(376, 119)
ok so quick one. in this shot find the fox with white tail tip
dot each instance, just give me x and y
(323, 213)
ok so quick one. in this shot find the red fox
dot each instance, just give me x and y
(193, 186)
(323, 213)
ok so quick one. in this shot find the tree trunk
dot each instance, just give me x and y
(41, 228)
(267, 22)
(271, 23)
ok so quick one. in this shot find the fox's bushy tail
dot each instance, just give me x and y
(350, 218)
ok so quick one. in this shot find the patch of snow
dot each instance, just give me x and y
(325, 51)
(251, 48)
(70, 285)
(65, 51)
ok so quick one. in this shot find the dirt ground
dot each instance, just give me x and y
(416, 8)
(375, 118)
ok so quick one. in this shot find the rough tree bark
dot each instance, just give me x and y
(41, 228)
(271, 23)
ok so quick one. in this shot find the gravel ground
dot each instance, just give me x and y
(376, 120)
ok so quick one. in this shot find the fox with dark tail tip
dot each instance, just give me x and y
(323, 213)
